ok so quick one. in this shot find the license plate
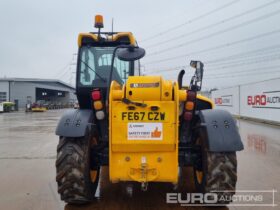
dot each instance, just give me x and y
(143, 116)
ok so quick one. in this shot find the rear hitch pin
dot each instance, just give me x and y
(144, 186)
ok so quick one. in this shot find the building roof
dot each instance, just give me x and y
(14, 79)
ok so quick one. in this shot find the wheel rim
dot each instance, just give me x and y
(199, 176)
(93, 173)
(198, 173)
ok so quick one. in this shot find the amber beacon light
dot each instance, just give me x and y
(98, 21)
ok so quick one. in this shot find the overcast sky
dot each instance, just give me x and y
(239, 40)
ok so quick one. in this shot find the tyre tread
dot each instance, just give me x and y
(72, 171)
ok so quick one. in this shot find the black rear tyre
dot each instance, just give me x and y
(215, 172)
(73, 169)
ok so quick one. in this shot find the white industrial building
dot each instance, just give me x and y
(49, 91)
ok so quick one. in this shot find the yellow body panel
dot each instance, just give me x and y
(149, 90)
(143, 140)
(144, 155)
(89, 35)
(203, 98)
(111, 38)
(125, 34)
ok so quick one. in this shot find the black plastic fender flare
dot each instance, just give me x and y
(75, 123)
(221, 130)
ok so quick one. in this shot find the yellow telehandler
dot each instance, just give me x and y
(143, 127)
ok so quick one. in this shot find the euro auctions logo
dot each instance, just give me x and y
(218, 101)
(265, 100)
(192, 198)
(223, 100)
(264, 198)
(259, 100)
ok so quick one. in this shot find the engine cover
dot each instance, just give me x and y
(148, 88)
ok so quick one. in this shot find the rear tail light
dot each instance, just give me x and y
(96, 95)
(188, 116)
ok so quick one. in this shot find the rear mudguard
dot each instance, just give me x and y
(75, 123)
(221, 130)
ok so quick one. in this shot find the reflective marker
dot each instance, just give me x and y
(100, 115)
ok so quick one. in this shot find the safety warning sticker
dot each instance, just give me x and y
(144, 131)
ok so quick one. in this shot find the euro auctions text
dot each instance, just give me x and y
(220, 198)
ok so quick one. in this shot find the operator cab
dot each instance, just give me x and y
(95, 65)
(95, 59)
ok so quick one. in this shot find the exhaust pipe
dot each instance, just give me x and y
(180, 78)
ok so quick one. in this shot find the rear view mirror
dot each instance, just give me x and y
(198, 65)
(124, 53)
(196, 81)
(199, 73)
(131, 53)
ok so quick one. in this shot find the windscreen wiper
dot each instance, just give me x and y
(104, 80)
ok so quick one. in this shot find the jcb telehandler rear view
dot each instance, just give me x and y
(143, 127)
